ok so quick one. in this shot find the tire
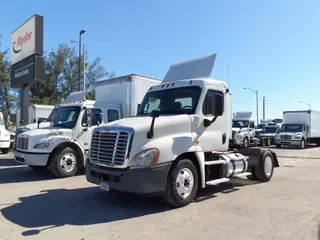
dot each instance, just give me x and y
(5, 150)
(253, 175)
(245, 142)
(278, 145)
(175, 193)
(37, 168)
(64, 162)
(302, 144)
(265, 171)
(268, 142)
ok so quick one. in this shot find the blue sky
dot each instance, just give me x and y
(271, 46)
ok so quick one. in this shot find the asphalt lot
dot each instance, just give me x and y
(34, 205)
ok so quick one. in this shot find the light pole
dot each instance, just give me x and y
(308, 104)
(257, 102)
(81, 32)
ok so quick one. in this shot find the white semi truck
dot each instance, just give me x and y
(243, 130)
(4, 136)
(63, 146)
(178, 141)
(299, 128)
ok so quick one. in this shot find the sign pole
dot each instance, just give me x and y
(24, 103)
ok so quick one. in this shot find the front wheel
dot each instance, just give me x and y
(302, 144)
(182, 184)
(245, 142)
(64, 162)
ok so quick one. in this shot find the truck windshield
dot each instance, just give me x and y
(291, 128)
(260, 126)
(53, 112)
(171, 101)
(269, 130)
(240, 123)
(66, 117)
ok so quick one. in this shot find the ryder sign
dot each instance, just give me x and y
(27, 40)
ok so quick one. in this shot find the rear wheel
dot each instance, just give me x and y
(265, 171)
(182, 184)
(64, 162)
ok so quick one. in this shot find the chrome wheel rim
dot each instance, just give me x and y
(184, 182)
(268, 166)
(68, 162)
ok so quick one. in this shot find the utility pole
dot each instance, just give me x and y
(264, 107)
(257, 102)
(84, 69)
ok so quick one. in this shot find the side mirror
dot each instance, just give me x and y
(138, 107)
(218, 105)
(39, 122)
(155, 114)
(100, 118)
(21, 122)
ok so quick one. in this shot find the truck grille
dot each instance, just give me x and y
(110, 148)
(22, 143)
(285, 137)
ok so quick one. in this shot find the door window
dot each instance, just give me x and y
(113, 115)
(95, 115)
(208, 107)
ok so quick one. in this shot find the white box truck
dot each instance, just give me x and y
(299, 128)
(63, 146)
(178, 142)
(36, 112)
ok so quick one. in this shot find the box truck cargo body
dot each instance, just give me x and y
(36, 112)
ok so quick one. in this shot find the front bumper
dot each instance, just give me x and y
(32, 159)
(5, 144)
(148, 180)
(291, 142)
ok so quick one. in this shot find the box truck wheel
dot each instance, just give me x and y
(182, 183)
(265, 171)
(64, 162)
(302, 144)
(5, 150)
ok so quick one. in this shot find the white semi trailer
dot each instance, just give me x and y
(63, 146)
(299, 128)
(178, 142)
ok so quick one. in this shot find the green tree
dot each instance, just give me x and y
(8, 96)
(61, 76)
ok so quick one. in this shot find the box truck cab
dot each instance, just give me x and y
(178, 141)
(299, 128)
(243, 129)
(63, 146)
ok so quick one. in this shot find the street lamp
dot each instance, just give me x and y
(84, 65)
(308, 104)
(81, 32)
(257, 102)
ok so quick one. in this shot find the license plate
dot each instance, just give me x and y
(104, 186)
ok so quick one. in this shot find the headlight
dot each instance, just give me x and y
(41, 145)
(145, 158)
(277, 137)
(239, 136)
(298, 136)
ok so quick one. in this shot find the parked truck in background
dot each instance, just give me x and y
(260, 126)
(36, 112)
(4, 136)
(266, 137)
(243, 130)
(299, 128)
(177, 142)
(63, 146)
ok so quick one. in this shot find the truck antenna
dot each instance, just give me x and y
(227, 74)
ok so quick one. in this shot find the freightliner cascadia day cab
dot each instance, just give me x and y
(243, 130)
(63, 146)
(178, 142)
(299, 128)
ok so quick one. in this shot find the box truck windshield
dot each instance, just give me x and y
(240, 123)
(291, 128)
(270, 130)
(173, 101)
(66, 117)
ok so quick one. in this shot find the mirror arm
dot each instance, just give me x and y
(207, 122)
(150, 133)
